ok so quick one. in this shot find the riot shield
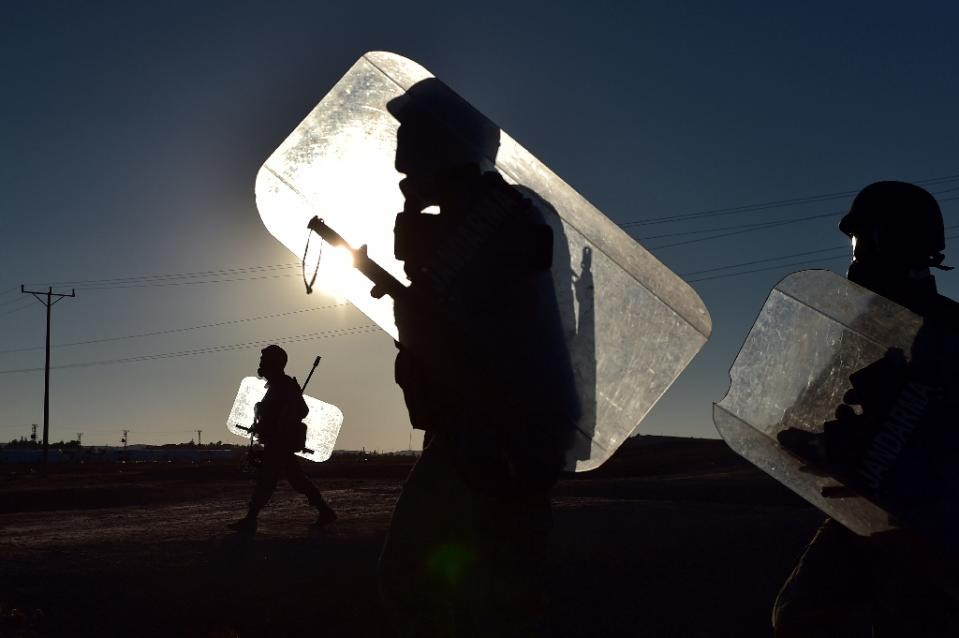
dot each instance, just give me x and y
(322, 423)
(627, 324)
(849, 400)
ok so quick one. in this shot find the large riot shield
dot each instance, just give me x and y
(850, 400)
(626, 324)
(322, 423)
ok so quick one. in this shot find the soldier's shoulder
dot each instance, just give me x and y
(525, 203)
(288, 384)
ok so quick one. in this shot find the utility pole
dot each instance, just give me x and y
(33, 433)
(79, 439)
(199, 441)
(123, 440)
(46, 369)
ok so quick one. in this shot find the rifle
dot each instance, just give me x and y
(316, 362)
(383, 282)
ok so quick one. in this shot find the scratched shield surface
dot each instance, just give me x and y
(322, 423)
(630, 324)
(844, 397)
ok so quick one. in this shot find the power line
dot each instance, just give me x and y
(170, 279)
(216, 274)
(754, 227)
(182, 275)
(311, 336)
(176, 279)
(181, 279)
(217, 324)
(13, 300)
(23, 307)
(766, 260)
(747, 272)
(947, 190)
(732, 210)
(761, 226)
(750, 226)
(798, 263)
(159, 284)
(845, 248)
(794, 201)
(155, 278)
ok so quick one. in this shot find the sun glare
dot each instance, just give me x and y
(347, 178)
(333, 266)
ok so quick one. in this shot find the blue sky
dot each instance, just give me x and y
(133, 133)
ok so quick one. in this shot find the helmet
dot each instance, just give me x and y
(901, 221)
(439, 130)
(274, 354)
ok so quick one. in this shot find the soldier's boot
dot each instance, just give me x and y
(246, 525)
(324, 515)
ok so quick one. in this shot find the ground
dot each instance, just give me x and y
(673, 537)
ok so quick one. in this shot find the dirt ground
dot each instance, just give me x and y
(671, 538)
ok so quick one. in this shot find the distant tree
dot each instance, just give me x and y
(23, 442)
(61, 444)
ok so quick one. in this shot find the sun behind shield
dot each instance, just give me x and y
(630, 325)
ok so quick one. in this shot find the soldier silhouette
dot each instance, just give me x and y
(485, 372)
(889, 584)
(280, 429)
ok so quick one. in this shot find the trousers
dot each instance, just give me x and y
(279, 464)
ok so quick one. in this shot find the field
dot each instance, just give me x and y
(673, 537)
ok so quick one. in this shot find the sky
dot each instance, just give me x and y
(133, 133)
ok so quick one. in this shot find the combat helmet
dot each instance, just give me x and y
(899, 221)
(274, 353)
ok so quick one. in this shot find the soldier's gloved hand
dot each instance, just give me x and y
(804, 445)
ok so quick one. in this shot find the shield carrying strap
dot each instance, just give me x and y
(316, 269)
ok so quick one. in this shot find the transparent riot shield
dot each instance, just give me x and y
(322, 423)
(627, 324)
(850, 401)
